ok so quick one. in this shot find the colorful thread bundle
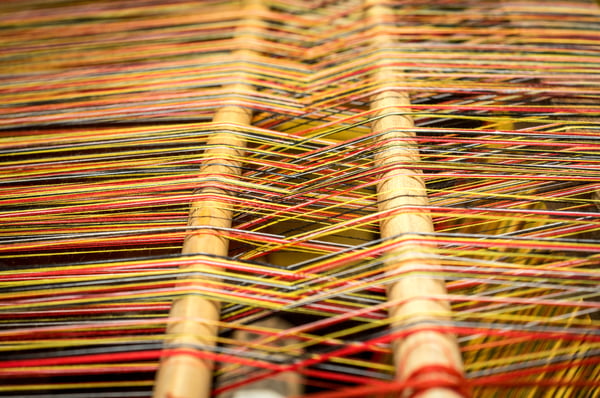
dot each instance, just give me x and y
(106, 120)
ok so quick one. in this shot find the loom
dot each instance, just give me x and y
(277, 198)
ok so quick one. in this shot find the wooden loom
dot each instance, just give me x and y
(412, 186)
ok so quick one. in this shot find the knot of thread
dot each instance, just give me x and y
(437, 376)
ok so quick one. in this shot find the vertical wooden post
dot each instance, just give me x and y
(425, 355)
(194, 318)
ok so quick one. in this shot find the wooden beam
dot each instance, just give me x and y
(194, 318)
(425, 355)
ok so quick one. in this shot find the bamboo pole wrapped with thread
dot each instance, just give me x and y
(426, 356)
(194, 318)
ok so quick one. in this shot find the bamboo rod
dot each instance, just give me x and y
(427, 356)
(194, 318)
